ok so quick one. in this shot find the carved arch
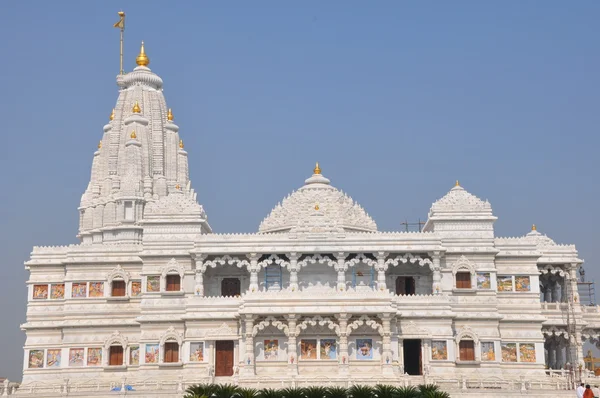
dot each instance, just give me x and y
(116, 339)
(461, 264)
(272, 259)
(317, 258)
(360, 257)
(318, 320)
(169, 335)
(466, 333)
(172, 266)
(551, 269)
(409, 258)
(364, 320)
(554, 331)
(226, 259)
(270, 321)
(116, 273)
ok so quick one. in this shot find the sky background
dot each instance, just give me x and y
(395, 99)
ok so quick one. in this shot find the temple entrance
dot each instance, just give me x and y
(412, 357)
(224, 358)
(230, 287)
(405, 285)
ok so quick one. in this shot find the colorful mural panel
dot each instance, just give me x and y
(439, 350)
(197, 352)
(96, 289)
(94, 357)
(53, 358)
(509, 352)
(57, 291)
(328, 349)
(134, 355)
(487, 351)
(364, 349)
(40, 292)
(271, 350)
(522, 284)
(76, 357)
(527, 352)
(136, 288)
(308, 349)
(153, 283)
(79, 290)
(36, 359)
(505, 283)
(152, 351)
(484, 280)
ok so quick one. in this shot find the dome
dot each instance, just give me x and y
(459, 201)
(317, 207)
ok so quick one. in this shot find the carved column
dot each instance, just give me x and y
(437, 275)
(199, 278)
(426, 352)
(387, 345)
(344, 358)
(381, 268)
(248, 365)
(292, 345)
(552, 353)
(557, 291)
(341, 271)
(253, 269)
(572, 281)
(293, 268)
(560, 361)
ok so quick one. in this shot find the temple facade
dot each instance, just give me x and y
(317, 294)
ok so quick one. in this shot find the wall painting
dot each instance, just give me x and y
(522, 284)
(527, 352)
(328, 349)
(96, 289)
(439, 350)
(134, 355)
(505, 283)
(76, 357)
(136, 288)
(487, 351)
(79, 290)
(153, 283)
(40, 292)
(94, 357)
(152, 351)
(308, 349)
(57, 291)
(53, 358)
(36, 359)
(364, 349)
(509, 352)
(197, 352)
(271, 350)
(484, 280)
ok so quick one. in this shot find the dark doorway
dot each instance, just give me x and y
(405, 285)
(230, 287)
(412, 357)
(224, 358)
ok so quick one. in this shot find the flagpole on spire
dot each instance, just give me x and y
(121, 26)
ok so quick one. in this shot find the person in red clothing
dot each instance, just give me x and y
(588, 393)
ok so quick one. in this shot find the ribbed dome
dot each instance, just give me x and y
(317, 207)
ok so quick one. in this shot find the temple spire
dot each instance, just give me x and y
(142, 59)
(317, 169)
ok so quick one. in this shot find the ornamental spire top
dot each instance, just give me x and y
(136, 108)
(112, 115)
(457, 184)
(170, 115)
(181, 144)
(533, 227)
(142, 59)
(317, 169)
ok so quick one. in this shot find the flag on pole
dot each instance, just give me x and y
(121, 23)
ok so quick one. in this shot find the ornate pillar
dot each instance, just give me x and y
(381, 268)
(344, 358)
(293, 268)
(248, 366)
(401, 355)
(292, 345)
(386, 360)
(426, 352)
(552, 353)
(557, 291)
(199, 278)
(341, 271)
(437, 275)
(253, 269)
(572, 281)
(560, 345)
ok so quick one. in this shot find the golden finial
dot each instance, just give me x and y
(317, 206)
(457, 184)
(181, 144)
(112, 115)
(533, 227)
(133, 135)
(142, 59)
(317, 169)
(100, 144)
(136, 108)
(170, 115)
(178, 187)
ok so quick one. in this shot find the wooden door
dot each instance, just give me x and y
(115, 355)
(230, 287)
(224, 358)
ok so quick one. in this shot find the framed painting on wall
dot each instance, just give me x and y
(76, 357)
(483, 280)
(271, 350)
(136, 288)
(439, 350)
(57, 291)
(364, 349)
(308, 349)
(79, 290)
(522, 284)
(505, 283)
(40, 292)
(153, 283)
(509, 352)
(96, 289)
(328, 349)
(134, 355)
(197, 352)
(487, 351)
(53, 358)
(36, 359)
(152, 351)
(527, 352)
(94, 357)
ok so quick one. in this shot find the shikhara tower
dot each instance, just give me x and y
(317, 295)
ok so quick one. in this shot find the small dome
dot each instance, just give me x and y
(458, 200)
(317, 207)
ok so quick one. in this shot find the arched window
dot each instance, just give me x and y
(117, 280)
(114, 347)
(467, 344)
(172, 276)
(463, 280)
(466, 349)
(173, 283)
(170, 344)
(464, 273)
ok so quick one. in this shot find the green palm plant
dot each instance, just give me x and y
(385, 391)
(408, 392)
(425, 388)
(269, 393)
(336, 392)
(248, 393)
(358, 391)
(200, 390)
(315, 392)
(226, 391)
(292, 392)
(435, 394)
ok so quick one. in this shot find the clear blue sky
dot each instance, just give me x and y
(396, 100)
